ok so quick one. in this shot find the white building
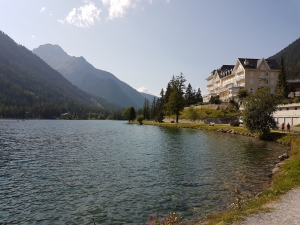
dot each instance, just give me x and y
(249, 74)
(289, 113)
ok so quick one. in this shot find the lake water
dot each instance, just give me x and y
(110, 172)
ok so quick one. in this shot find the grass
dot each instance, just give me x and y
(288, 178)
(192, 113)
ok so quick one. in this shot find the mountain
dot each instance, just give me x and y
(29, 86)
(148, 96)
(291, 56)
(85, 76)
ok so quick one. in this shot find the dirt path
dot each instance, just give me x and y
(284, 211)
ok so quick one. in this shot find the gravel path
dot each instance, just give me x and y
(284, 211)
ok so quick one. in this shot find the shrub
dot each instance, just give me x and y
(296, 100)
(235, 123)
(140, 119)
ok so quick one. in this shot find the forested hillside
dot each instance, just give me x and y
(29, 87)
(85, 76)
(291, 56)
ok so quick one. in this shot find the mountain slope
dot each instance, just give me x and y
(29, 85)
(82, 74)
(291, 56)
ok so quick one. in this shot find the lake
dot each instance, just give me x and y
(110, 172)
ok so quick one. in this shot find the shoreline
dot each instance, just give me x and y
(284, 176)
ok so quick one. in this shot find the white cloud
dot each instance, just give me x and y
(118, 8)
(83, 16)
(43, 9)
(144, 90)
(32, 36)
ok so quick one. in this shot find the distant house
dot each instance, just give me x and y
(295, 88)
(250, 74)
(288, 113)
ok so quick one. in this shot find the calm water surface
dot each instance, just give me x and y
(109, 172)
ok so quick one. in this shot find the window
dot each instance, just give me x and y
(272, 74)
(251, 74)
(296, 108)
(251, 81)
(267, 74)
(267, 82)
(287, 108)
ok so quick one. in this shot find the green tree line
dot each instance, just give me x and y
(171, 101)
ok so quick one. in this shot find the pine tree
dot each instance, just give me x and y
(189, 95)
(146, 109)
(132, 114)
(198, 96)
(174, 104)
(282, 85)
(153, 109)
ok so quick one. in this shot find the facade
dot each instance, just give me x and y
(289, 113)
(250, 74)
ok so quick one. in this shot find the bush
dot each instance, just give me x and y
(140, 119)
(296, 100)
(235, 123)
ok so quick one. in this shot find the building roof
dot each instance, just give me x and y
(225, 70)
(254, 63)
(226, 67)
(293, 81)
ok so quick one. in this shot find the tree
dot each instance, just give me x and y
(258, 112)
(198, 96)
(215, 99)
(189, 95)
(129, 113)
(174, 101)
(158, 107)
(132, 114)
(140, 119)
(146, 109)
(282, 86)
(242, 94)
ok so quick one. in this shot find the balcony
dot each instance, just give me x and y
(238, 78)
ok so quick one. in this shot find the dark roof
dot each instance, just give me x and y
(253, 63)
(226, 67)
(225, 70)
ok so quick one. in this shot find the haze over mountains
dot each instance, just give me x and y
(94, 81)
(29, 86)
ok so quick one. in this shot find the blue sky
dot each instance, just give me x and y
(145, 42)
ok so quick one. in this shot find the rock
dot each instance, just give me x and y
(275, 170)
(283, 157)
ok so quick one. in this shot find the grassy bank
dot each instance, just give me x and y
(285, 180)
